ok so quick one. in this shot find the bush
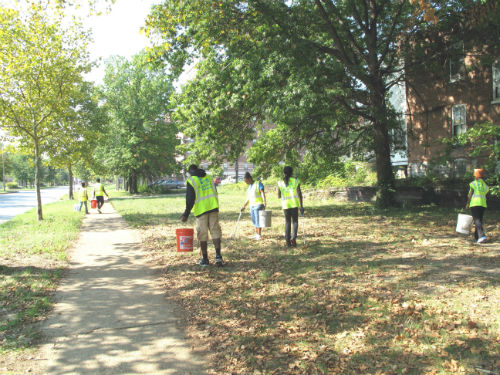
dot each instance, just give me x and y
(332, 181)
(350, 174)
(12, 185)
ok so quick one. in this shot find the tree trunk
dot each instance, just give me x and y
(385, 176)
(236, 168)
(37, 179)
(132, 183)
(70, 175)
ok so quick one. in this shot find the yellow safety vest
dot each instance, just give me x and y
(479, 196)
(205, 194)
(289, 194)
(254, 195)
(83, 195)
(99, 190)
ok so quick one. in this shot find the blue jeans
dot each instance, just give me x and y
(84, 203)
(254, 214)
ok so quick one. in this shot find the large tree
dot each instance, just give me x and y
(42, 65)
(142, 140)
(351, 47)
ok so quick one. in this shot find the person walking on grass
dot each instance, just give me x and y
(476, 201)
(202, 198)
(99, 192)
(291, 199)
(257, 199)
(83, 197)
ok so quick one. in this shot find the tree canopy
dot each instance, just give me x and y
(320, 71)
(141, 139)
(42, 67)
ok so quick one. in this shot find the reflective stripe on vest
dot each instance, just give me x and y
(205, 194)
(83, 195)
(480, 190)
(254, 195)
(100, 190)
(289, 194)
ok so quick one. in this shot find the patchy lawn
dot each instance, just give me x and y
(371, 292)
(33, 256)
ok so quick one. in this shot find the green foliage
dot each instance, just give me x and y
(42, 66)
(12, 185)
(482, 142)
(141, 139)
(87, 128)
(349, 174)
(310, 69)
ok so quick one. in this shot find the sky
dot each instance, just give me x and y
(117, 32)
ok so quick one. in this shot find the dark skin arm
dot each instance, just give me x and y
(469, 198)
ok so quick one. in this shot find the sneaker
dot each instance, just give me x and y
(482, 239)
(257, 237)
(99, 210)
(204, 262)
(218, 261)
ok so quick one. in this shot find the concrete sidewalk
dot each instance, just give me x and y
(110, 316)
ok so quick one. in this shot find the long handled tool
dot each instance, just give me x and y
(303, 227)
(236, 226)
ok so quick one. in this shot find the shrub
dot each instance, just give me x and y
(12, 185)
(350, 174)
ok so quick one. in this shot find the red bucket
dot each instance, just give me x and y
(184, 239)
(93, 203)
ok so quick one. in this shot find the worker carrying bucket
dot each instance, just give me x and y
(476, 201)
(201, 197)
(256, 197)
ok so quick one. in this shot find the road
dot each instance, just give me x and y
(13, 204)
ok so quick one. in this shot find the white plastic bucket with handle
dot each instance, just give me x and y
(265, 219)
(464, 223)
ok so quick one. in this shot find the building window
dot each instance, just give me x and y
(457, 62)
(496, 81)
(460, 167)
(458, 119)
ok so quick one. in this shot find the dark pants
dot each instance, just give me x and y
(477, 216)
(100, 200)
(291, 215)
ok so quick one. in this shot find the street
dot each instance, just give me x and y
(13, 204)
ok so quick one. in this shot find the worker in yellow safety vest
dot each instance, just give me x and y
(476, 201)
(83, 197)
(291, 199)
(202, 198)
(256, 197)
(99, 192)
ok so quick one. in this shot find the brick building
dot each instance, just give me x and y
(452, 91)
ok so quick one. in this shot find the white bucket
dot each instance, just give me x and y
(464, 223)
(265, 219)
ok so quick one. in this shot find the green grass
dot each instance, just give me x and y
(33, 256)
(373, 291)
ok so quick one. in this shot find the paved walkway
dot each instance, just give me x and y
(110, 316)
